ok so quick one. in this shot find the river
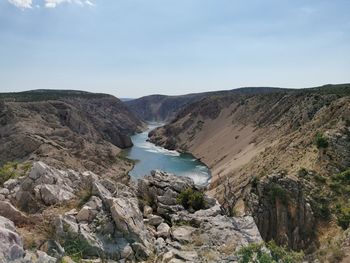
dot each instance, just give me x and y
(149, 156)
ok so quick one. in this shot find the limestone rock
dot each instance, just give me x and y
(289, 221)
(11, 184)
(9, 211)
(52, 248)
(127, 217)
(89, 211)
(183, 234)
(11, 245)
(155, 220)
(53, 194)
(163, 230)
(147, 210)
(141, 252)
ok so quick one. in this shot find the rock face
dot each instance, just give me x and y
(77, 130)
(282, 211)
(114, 222)
(46, 186)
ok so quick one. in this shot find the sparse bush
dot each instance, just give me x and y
(12, 170)
(343, 217)
(278, 192)
(302, 172)
(321, 141)
(320, 179)
(8, 171)
(190, 198)
(321, 205)
(343, 177)
(76, 248)
(268, 253)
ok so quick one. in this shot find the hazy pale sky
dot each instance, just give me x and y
(131, 48)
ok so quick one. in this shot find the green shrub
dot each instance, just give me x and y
(302, 172)
(76, 248)
(343, 217)
(268, 253)
(320, 205)
(8, 171)
(321, 141)
(343, 177)
(190, 198)
(12, 170)
(279, 193)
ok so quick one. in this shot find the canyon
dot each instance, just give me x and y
(279, 160)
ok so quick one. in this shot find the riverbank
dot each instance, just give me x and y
(152, 157)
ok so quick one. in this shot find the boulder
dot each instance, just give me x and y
(147, 211)
(127, 217)
(53, 194)
(4, 191)
(52, 248)
(11, 184)
(183, 234)
(169, 197)
(155, 220)
(9, 211)
(86, 214)
(38, 169)
(99, 190)
(163, 230)
(141, 252)
(11, 245)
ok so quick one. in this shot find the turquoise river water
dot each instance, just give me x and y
(151, 157)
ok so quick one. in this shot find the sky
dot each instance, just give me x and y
(132, 48)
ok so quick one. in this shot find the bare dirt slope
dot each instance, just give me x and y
(241, 135)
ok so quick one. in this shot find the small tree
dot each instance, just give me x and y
(321, 141)
(190, 198)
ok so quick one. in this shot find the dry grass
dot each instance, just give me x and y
(229, 248)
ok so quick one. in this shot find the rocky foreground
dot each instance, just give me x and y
(50, 215)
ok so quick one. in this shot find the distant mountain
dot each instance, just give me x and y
(126, 99)
(165, 108)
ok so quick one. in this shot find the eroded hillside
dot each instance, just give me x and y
(245, 139)
(69, 129)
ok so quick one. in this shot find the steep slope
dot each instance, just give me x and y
(246, 138)
(72, 129)
(165, 108)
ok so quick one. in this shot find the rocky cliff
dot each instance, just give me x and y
(244, 138)
(66, 128)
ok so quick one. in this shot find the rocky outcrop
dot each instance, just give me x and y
(191, 236)
(119, 222)
(282, 211)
